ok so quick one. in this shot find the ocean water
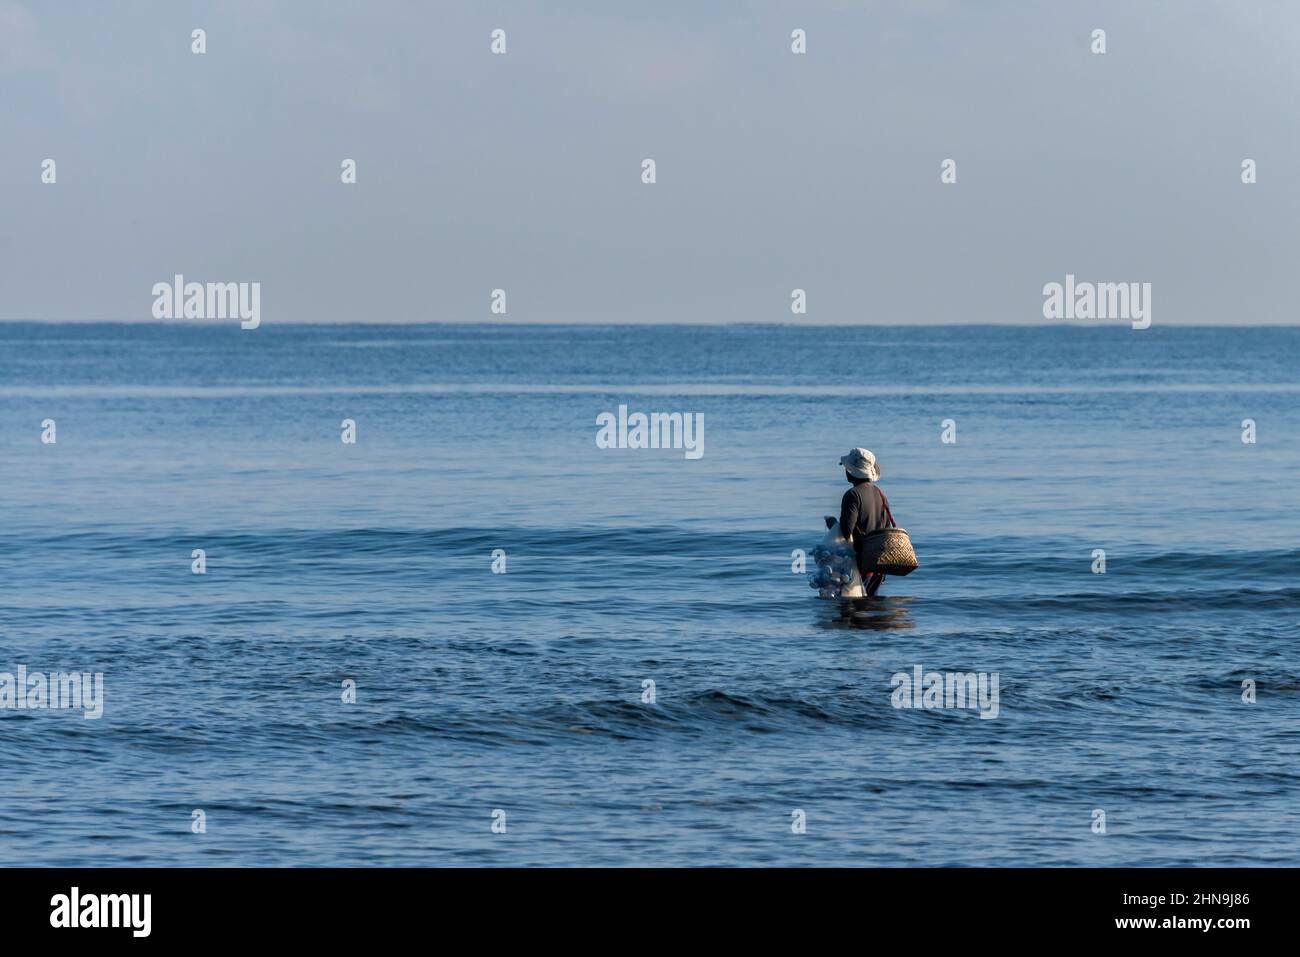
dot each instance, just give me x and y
(522, 692)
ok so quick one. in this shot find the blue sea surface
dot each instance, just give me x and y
(523, 692)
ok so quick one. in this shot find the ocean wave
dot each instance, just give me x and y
(700, 389)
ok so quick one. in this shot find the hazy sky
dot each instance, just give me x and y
(775, 170)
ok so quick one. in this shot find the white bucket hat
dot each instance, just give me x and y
(861, 463)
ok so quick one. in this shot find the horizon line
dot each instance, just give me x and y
(523, 324)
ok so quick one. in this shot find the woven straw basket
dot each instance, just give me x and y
(890, 551)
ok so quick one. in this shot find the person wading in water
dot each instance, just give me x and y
(864, 509)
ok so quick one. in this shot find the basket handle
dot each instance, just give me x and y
(888, 514)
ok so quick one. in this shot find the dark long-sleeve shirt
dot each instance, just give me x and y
(863, 510)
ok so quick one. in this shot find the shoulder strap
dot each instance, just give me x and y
(888, 514)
